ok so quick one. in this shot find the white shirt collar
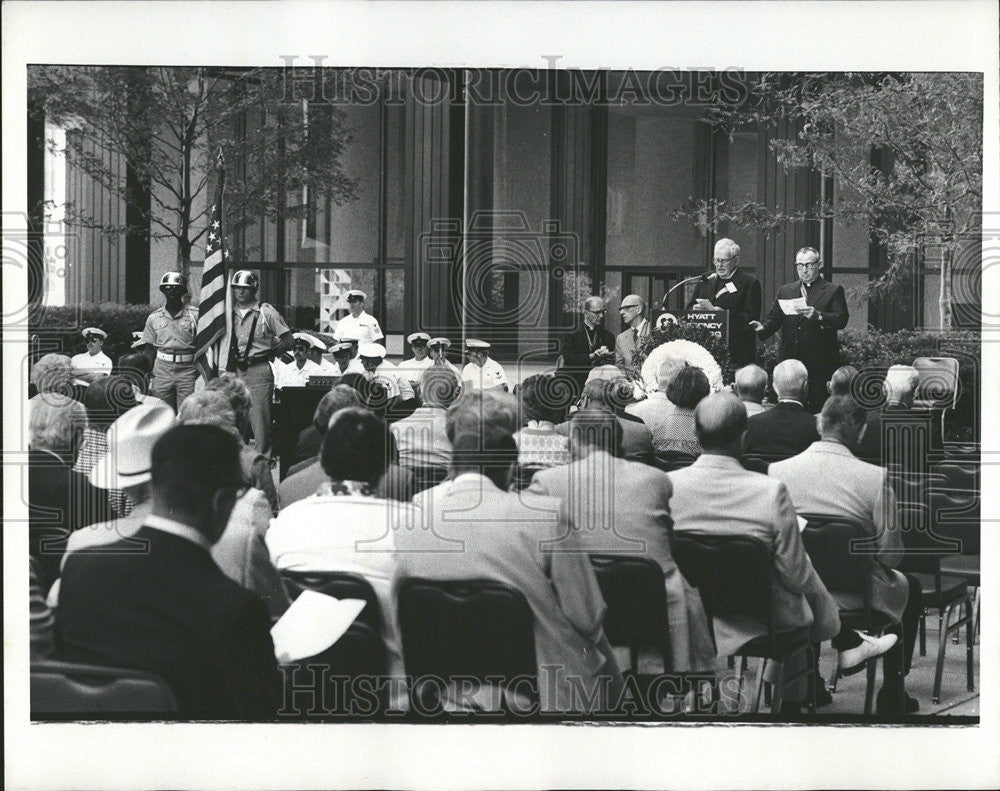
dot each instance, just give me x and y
(179, 529)
(791, 401)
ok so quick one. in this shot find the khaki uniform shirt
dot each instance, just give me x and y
(172, 333)
(270, 327)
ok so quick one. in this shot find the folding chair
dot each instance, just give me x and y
(668, 460)
(636, 599)
(755, 463)
(735, 576)
(937, 388)
(840, 551)
(926, 542)
(476, 629)
(63, 690)
(340, 585)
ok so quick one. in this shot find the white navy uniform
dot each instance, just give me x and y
(364, 328)
(403, 388)
(326, 368)
(290, 375)
(413, 369)
(86, 363)
(490, 375)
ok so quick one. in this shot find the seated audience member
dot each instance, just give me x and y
(477, 407)
(171, 611)
(536, 552)
(297, 372)
(422, 438)
(751, 385)
(413, 368)
(347, 526)
(826, 478)
(841, 380)
(482, 372)
(898, 434)
(676, 434)
(716, 496)
(240, 551)
(787, 428)
(315, 354)
(344, 358)
(538, 442)
(256, 466)
(126, 467)
(378, 368)
(622, 507)
(53, 373)
(653, 409)
(106, 400)
(42, 622)
(615, 395)
(310, 439)
(91, 364)
(137, 369)
(60, 500)
(438, 348)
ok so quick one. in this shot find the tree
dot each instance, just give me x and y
(169, 123)
(906, 149)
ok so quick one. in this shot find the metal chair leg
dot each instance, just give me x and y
(970, 640)
(923, 632)
(778, 689)
(760, 685)
(939, 666)
(870, 670)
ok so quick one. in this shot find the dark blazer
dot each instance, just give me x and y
(781, 432)
(171, 611)
(59, 502)
(743, 305)
(576, 349)
(307, 446)
(813, 341)
(891, 420)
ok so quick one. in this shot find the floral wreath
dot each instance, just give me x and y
(686, 351)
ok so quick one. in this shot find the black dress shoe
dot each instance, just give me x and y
(887, 702)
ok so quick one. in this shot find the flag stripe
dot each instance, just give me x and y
(213, 318)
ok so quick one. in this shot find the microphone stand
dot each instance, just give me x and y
(685, 281)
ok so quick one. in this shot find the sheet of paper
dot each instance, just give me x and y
(312, 624)
(802, 522)
(704, 304)
(790, 307)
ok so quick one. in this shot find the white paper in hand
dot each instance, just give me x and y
(802, 522)
(790, 307)
(704, 304)
(312, 624)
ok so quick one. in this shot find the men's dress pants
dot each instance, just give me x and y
(260, 380)
(173, 382)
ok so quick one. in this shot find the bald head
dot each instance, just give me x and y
(791, 380)
(901, 384)
(593, 304)
(719, 422)
(751, 382)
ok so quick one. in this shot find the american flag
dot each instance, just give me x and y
(211, 346)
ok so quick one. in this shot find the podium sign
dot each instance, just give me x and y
(716, 321)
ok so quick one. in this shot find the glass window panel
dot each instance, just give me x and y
(332, 286)
(395, 154)
(395, 301)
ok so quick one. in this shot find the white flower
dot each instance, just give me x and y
(688, 351)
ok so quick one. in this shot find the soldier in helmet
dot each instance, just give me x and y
(259, 336)
(168, 343)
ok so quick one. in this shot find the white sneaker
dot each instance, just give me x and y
(853, 660)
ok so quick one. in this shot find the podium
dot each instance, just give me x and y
(716, 321)
(291, 412)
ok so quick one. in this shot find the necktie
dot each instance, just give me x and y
(635, 335)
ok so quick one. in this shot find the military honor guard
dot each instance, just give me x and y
(358, 323)
(259, 336)
(481, 372)
(93, 363)
(168, 342)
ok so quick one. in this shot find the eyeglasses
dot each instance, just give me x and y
(629, 307)
(597, 312)
(808, 265)
(724, 260)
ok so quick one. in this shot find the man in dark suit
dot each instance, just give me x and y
(734, 290)
(589, 345)
(786, 429)
(810, 333)
(171, 611)
(637, 329)
(60, 500)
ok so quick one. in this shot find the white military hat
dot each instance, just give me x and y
(439, 342)
(341, 346)
(474, 344)
(418, 336)
(130, 446)
(350, 335)
(312, 340)
(137, 341)
(95, 331)
(355, 293)
(372, 350)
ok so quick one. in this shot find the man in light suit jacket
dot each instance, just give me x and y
(622, 507)
(788, 428)
(171, 611)
(475, 528)
(632, 310)
(810, 335)
(861, 492)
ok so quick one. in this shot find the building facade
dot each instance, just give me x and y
(490, 202)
